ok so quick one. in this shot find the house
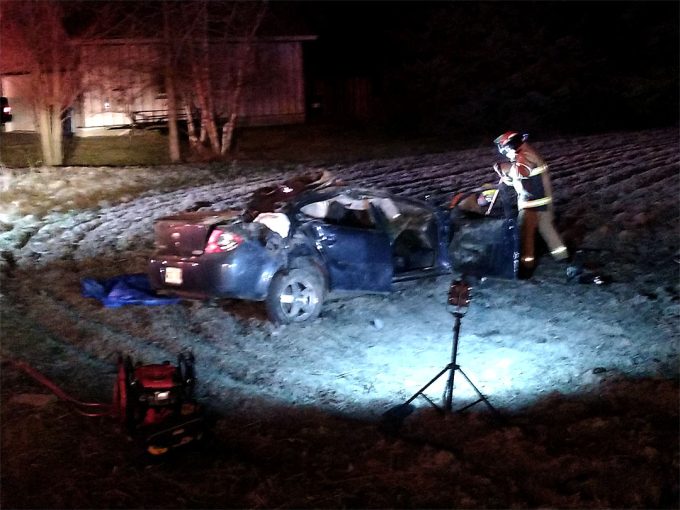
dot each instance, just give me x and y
(123, 84)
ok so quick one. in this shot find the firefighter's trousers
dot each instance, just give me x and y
(531, 220)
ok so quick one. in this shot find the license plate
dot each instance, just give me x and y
(173, 275)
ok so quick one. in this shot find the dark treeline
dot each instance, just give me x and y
(477, 66)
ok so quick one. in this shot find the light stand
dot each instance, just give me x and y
(458, 302)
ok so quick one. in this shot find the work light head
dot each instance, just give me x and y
(459, 297)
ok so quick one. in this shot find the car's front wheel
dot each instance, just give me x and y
(295, 295)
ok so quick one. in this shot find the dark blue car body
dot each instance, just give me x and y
(337, 238)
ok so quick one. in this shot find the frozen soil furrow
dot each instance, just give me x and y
(520, 339)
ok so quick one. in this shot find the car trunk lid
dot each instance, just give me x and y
(186, 234)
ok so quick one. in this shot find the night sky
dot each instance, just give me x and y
(475, 68)
(465, 66)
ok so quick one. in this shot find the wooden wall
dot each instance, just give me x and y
(123, 78)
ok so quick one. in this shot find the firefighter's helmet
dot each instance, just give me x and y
(510, 140)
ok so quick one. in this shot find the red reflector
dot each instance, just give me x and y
(222, 240)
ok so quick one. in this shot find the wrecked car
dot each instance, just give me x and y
(295, 243)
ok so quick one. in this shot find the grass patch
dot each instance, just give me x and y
(22, 150)
(333, 144)
(293, 144)
(146, 148)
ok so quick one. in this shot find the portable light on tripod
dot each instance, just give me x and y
(457, 304)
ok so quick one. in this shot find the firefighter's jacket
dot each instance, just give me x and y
(530, 178)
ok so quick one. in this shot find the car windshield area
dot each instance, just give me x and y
(411, 230)
(353, 211)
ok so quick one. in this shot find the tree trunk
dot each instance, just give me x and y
(44, 130)
(205, 84)
(207, 117)
(235, 102)
(195, 144)
(228, 133)
(50, 130)
(56, 136)
(191, 128)
(173, 132)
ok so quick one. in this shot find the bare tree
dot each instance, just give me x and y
(210, 29)
(243, 62)
(38, 30)
(64, 65)
(52, 59)
(170, 79)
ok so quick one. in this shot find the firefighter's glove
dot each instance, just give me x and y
(505, 178)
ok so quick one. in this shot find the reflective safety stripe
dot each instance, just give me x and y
(527, 259)
(538, 170)
(521, 174)
(558, 251)
(534, 203)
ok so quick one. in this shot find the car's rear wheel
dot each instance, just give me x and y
(295, 295)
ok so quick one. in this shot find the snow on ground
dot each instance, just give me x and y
(616, 197)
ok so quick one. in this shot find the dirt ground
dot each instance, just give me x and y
(585, 375)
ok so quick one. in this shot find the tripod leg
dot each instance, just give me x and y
(448, 391)
(429, 383)
(482, 397)
(393, 417)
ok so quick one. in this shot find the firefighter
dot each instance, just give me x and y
(527, 173)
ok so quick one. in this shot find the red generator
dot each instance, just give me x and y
(155, 403)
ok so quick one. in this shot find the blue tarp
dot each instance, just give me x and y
(127, 289)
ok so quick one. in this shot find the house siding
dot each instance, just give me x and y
(273, 84)
(124, 79)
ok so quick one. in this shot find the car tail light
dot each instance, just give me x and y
(222, 240)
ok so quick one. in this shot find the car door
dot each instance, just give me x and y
(356, 258)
